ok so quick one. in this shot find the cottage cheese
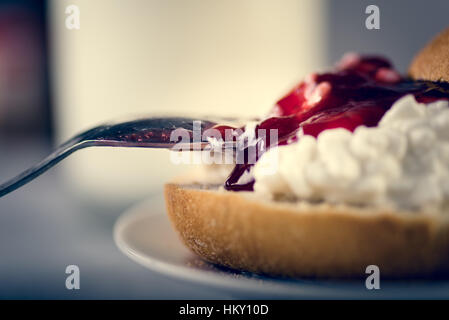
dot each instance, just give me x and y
(401, 163)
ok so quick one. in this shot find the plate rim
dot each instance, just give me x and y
(204, 277)
(277, 288)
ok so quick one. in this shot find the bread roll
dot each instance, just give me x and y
(432, 62)
(244, 232)
(241, 231)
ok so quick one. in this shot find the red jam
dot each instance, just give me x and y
(358, 92)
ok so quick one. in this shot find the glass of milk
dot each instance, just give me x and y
(138, 57)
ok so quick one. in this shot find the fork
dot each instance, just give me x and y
(147, 133)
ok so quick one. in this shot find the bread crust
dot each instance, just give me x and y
(432, 62)
(234, 230)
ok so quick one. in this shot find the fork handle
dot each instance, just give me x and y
(59, 154)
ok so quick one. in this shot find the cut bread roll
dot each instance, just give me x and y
(241, 231)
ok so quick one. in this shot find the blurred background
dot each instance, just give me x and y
(228, 57)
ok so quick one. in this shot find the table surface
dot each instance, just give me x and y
(44, 228)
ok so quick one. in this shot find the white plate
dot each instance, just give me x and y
(145, 235)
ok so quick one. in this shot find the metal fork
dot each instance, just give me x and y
(144, 133)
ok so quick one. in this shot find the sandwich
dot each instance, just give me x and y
(358, 175)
